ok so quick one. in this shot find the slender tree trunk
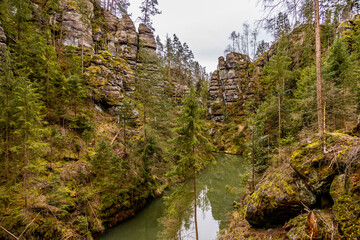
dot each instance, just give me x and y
(82, 55)
(279, 118)
(7, 122)
(124, 130)
(146, 13)
(253, 161)
(318, 70)
(7, 162)
(47, 83)
(26, 163)
(195, 214)
(144, 120)
(112, 6)
(108, 5)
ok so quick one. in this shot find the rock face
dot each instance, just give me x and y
(280, 196)
(76, 23)
(146, 37)
(232, 83)
(320, 175)
(2, 40)
(110, 45)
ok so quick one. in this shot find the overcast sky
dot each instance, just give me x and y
(205, 25)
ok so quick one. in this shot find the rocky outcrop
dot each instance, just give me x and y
(2, 40)
(146, 37)
(111, 46)
(76, 24)
(122, 38)
(232, 83)
(320, 175)
(280, 196)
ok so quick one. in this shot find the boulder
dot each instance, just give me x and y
(318, 163)
(310, 163)
(280, 196)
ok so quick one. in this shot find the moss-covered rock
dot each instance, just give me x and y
(309, 161)
(319, 162)
(345, 190)
(280, 196)
(317, 224)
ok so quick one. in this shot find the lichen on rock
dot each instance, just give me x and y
(280, 196)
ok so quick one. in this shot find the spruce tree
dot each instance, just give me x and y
(276, 73)
(28, 125)
(340, 95)
(7, 85)
(192, 147)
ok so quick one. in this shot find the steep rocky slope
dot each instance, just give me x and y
(80, 179)
(315, 192)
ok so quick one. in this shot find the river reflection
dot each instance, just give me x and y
(214, 202)
(213, 205)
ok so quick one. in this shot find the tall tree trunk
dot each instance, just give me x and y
(124, 130)
(253, 160)
(146, 13)
(318, 70)
(82, 55)
(26, 163)
(195, 207)
(7, 121)
(195, 214)
(7, 162)
(279, 118)
(112, 6)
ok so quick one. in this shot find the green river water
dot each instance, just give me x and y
(214, 204)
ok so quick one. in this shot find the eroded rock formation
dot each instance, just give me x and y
(111, 48)
(233, 83)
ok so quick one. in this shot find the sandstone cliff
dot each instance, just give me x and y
(232, 84)
(110, 45)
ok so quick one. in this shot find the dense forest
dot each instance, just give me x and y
(97, 118)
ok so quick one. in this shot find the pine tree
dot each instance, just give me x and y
(148, 9)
